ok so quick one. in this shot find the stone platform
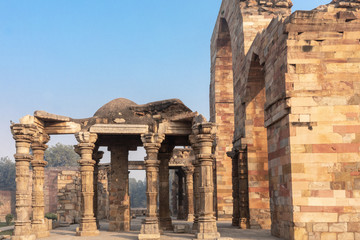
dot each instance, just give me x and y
(225, 229)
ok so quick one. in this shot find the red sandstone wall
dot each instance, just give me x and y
(323, 82)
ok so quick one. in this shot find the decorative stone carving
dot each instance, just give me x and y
(204, 137)
(85, 149)
(23, 135)
(150, 225)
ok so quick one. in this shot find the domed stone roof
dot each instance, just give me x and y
(114, 108)
(125, 111)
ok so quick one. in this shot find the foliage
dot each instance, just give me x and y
(52, 216)
(61, 155)
(7, 174)
(137, 193)
(7, 232)
(9, 218)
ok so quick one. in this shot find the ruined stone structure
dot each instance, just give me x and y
(121, 125)
(285, 93)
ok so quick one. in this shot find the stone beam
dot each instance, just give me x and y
(119, 129)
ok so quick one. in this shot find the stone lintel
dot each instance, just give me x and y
(136, 165)
(62, 127)
(119, 128)
(177, 128)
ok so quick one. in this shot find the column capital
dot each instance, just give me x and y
(152, 140)
(23, 132)
(189, 170)
(86, 137)
(97, 155)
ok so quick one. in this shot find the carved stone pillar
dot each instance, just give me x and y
(196, 185)
(97, 156)
(164, 206)
(150, 225)
(244, 212)
(181, 207)
(39, 223)
(23, 135)
(207, 228)
(85, 149)
(189, 189)
(119, 218)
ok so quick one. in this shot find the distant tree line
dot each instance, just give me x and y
(137, 190)
(59, 155)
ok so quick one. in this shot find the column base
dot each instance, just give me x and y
(86, 233)
(166, 224)
(149, 229)
(190, 218)
(24, 237)
(195, 226)
(119, 226)
(41, 229)
(208, 236)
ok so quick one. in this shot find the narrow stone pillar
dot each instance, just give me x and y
(23, 135)
(164, 205)
(181, 207)
(235, 186)
(85, 149)
(174, 186)
(207, 228)
(97, 156)
(244, 211)
(119, 217)
(150, 226)
(189, 193)
(40, 225)
(196, 185)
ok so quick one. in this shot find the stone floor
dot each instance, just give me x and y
(225, 229)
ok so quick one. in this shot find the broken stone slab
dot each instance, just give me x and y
(49, 116)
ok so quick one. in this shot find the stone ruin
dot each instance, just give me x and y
(284, 94)
(121, 125)
(284, 97)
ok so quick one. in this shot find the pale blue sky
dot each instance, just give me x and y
(71, 57)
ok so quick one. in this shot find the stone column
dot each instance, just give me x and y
(23, 135)
(119, 217)
(235, 186)
(207, 228)
(97, 156)
(181, 214)
(195, 163)
(150, 225)
(164, 206)
(85, 149)
(189, 189)
(39, 224)
(244, 212)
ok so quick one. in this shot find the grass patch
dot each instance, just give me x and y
(3, 224)
(7, 232)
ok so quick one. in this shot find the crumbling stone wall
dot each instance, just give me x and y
(69, 190)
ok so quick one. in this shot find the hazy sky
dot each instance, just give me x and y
(71, 57)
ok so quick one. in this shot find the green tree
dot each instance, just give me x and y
(137, 193)
(7, 174)
(61, 155)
